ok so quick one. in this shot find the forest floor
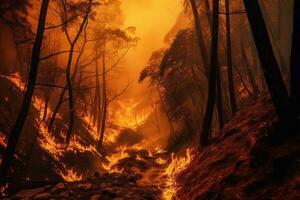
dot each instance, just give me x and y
(240, 164)
(243, 164)
(136, 177)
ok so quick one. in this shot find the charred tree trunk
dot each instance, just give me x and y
(274, 80)
(207, 7)
(219, 98)
(68, 71)
(70, 95)
(104, 100)
(212, 77)
(231, 90)
(247, 67)
(295, 61)
(164, 106)
(18, 126)
(98, 96)
(56, 109)
(201, 43)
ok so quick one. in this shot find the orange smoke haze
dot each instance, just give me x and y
(153, 19)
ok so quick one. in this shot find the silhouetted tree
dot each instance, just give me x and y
(104, 99)
(200, 38)
(18, 126)
(229, 61)
(295, 60)
(212, 77)
(274, 80)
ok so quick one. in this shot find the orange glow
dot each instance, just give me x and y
(176, 165)
(47, 139)
(114, 159)
(69, 175)
(160, 161)
(2, 139)
(126, 115)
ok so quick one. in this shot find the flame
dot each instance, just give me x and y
(114, 159)
(2, 139)
(127, 116)
(69, 175)
(47, 140)
(176, 165)
(138, 157)
(150, 154)
(15, 78)
(91, 129)
(160, 161)
(3, 190)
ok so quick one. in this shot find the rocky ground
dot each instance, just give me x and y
(139, 179)
(105, 187)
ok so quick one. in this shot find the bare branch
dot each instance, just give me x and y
(54, 54)
(119, 94)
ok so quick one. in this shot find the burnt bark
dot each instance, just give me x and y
(18, 126)
(212, 77)
(104, 100)
(201, 43)
(97, 103)
(274, 80)
(295, 61)
(231, 90)
(249, 72)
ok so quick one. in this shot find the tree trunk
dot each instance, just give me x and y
(219, 98)
(57, 107)
(212, 77)
(295, 61)
(70, 95)
(276, 43)
(249, 72)
(98, 114)
(164, 106)
(68, 73)
(231, 90)
(104, 100)
(274, 80)
(18, 126)
(201, 43)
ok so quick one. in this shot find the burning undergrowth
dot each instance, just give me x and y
(49, 148)
(48, 157)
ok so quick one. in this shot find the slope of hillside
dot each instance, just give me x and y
(242, 165)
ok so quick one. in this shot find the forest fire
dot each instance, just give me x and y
(47, 139)
(69, 175)
(127, 116)
(176, 165)
(149, 99)
(114, 159)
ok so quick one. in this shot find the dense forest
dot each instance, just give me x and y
(171, 100)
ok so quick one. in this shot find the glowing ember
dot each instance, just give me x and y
(176, 165)
(128, 116)
(92, 129)
(16, 80)
(160, 161)
(69, 175)
(47, 139)
(138, 157)
(114, 159)
(3, 189)
(2, 139)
